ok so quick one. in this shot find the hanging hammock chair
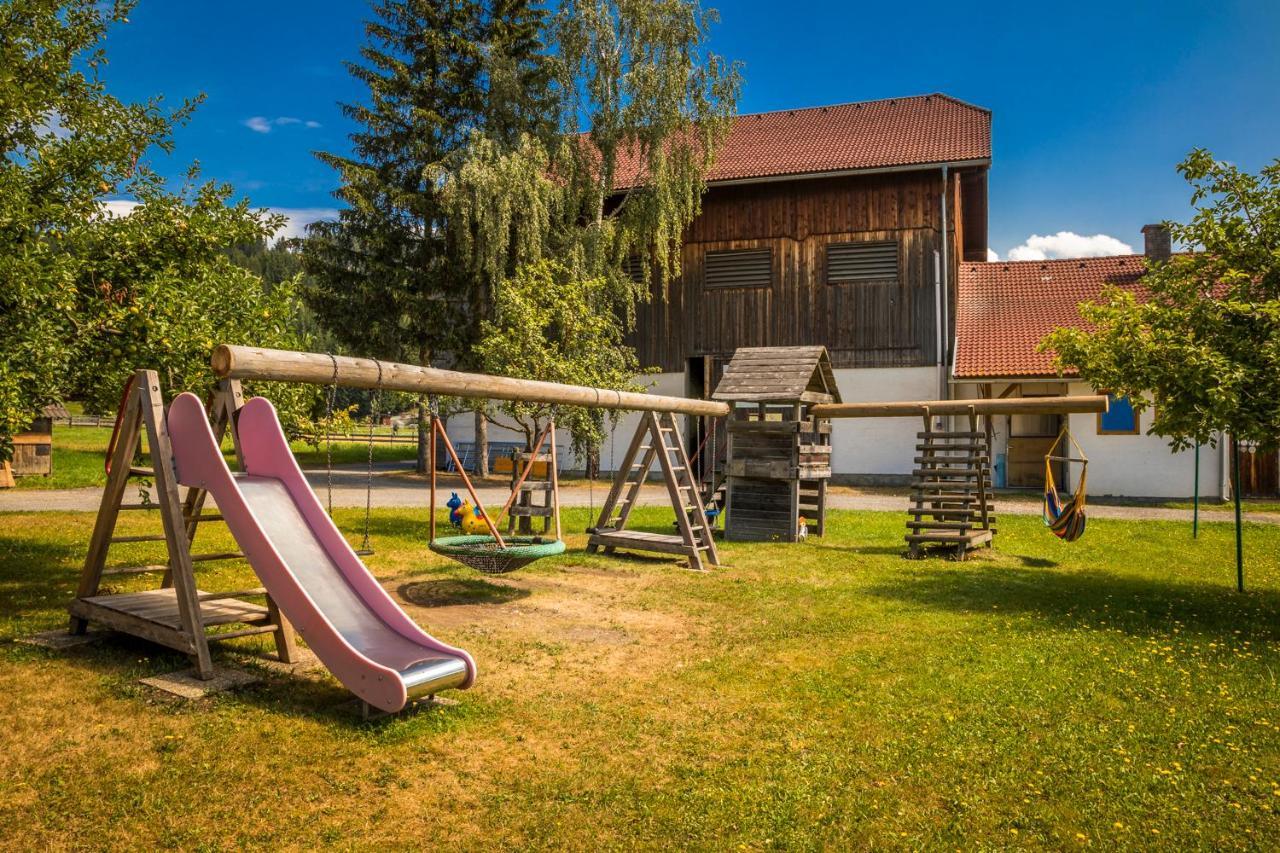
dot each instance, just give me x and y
(493, 553)
(1066, 518)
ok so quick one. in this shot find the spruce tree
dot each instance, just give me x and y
(383, 277)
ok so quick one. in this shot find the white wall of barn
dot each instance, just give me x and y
(1135, 466)
(461, 428)
(869, 450)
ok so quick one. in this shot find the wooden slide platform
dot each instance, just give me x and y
(154, 615)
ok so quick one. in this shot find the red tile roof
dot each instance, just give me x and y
(909, 131)
(1004, 309)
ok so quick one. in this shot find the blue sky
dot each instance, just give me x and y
(1094, 103)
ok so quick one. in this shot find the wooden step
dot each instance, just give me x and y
(946, 472)
(950, 435)
(952, 447)
(135, 471)
(940, 525)
(134, 570)
(155, 537)
(948, 460)
(970, 538)
(957, 511)
(530, 511)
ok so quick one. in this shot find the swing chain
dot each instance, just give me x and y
(375, 406)
(328, 433)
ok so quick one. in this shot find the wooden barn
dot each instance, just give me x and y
(778, 454)
(838, 227)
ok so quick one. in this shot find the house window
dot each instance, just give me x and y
(870, 260)
(739, 268)
(1119, 419)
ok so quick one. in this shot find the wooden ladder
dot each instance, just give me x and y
(656, 438)
(951, 490)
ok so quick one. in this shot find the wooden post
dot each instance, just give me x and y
(555, 482)
(175, 529)
(981, 467)
(431, 463)
(466, 481)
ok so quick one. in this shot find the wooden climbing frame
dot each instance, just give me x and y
(657, 438)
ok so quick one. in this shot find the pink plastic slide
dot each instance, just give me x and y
(346, 617)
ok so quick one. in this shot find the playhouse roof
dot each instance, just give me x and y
(1006, 308)
(778, 375)
(867, 135)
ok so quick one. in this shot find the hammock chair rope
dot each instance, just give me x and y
(1066, 520)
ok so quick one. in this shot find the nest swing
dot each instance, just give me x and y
(491, 553)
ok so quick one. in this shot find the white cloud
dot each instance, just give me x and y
(1068, 244)
(118, 206)
(53, 126)
(262, 124)
(299, 218)
(992, 255)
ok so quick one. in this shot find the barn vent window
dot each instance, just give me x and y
(739, 268)
(872, 260)
(633, 268)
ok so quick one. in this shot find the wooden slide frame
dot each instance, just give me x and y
(177, 614)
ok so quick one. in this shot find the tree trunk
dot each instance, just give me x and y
(482, 444)
(423, 434)
(424, 414)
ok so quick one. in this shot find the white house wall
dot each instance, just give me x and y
(871, 450)
(1136, 466)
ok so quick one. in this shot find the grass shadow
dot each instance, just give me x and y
(1092, 599)
(447, 592)
(34, 576)
(978, 557)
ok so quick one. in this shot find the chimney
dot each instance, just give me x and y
(1159, 244)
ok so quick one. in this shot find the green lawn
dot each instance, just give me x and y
(1110, 693)
(78, 457)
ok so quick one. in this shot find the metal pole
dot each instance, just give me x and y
(1235, 491)
(1195, 500)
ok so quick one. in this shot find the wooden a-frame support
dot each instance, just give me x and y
(177, 614)
(664, 445)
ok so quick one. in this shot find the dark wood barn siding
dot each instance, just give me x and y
(862, 324)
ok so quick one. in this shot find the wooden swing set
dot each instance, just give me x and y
(657, 440)
(951, 484)
(181, 616)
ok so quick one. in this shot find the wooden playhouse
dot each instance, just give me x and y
(779, 454)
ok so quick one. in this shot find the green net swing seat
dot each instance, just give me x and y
(484, 554)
